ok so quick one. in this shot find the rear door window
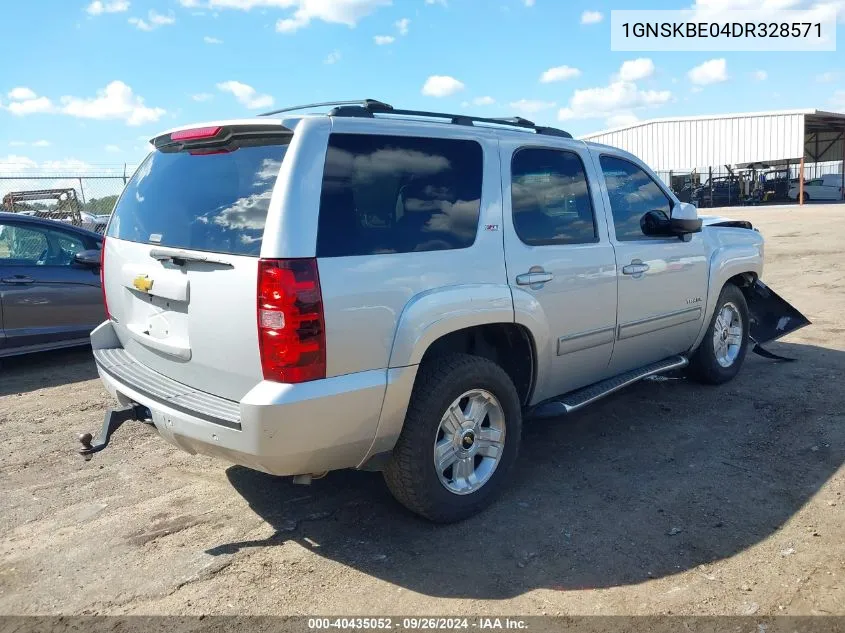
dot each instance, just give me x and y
(398, 194)
(213, 201)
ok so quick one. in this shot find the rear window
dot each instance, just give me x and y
(207, 202)
(398, 194)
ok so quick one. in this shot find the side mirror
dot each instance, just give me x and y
(656, 224)
(685, 219)
(89, 258)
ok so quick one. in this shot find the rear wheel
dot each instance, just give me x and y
(721, 354)
(460, 439)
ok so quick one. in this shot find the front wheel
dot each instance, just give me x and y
(721, 354)
(460, 439)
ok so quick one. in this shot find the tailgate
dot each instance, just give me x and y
(182, 250)
(195, 323)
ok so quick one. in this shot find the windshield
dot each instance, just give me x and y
(201, 201)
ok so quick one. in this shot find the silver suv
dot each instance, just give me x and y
(393, 290)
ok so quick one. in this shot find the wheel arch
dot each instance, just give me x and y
(472, 319)
(737, 257)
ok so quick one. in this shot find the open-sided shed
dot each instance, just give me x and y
(778, 138)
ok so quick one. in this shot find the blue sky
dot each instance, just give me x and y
(87, 84)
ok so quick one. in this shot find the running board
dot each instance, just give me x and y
(574, 400)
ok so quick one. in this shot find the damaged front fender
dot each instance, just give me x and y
(771, 316)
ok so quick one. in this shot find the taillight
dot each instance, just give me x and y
(291, 329)
(103, 277)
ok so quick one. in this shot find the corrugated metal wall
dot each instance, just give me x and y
(684, 145)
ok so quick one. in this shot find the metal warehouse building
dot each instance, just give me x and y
(723, 144)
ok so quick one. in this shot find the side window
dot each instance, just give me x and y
(632, 194)
(20, 246)
(550, 198)
(64, 247)
(398, 194)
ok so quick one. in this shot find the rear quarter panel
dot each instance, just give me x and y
(369, 299)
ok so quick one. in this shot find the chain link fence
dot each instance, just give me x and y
(754, 184)
(82, 199)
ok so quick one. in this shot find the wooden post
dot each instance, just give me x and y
(801, 182)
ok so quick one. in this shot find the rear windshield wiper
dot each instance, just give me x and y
(180, 257)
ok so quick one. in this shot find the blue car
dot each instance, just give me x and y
(50, 286)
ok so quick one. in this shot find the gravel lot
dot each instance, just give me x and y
(667, 498)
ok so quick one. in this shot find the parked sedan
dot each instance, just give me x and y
(50, 293)
(827, 187)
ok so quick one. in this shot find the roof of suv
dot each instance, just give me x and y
(368, 108)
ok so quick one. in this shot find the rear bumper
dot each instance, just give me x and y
(276, 428)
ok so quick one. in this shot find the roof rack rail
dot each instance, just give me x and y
(369, 107)
(364, 103)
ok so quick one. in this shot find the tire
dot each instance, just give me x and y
(712, 364)
(446, 496)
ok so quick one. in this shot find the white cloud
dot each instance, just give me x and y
(67, 165)
(636, 69)
(441, 86)
(822, 9)
(483, 101)
(115, 101)
(529, 3)
(827, 77)
(190, 4)
(332, 58)
(201, 96)
(591, 17)
(621, 119)
(246, 94)
(402, 26)
(24, 101)
(838, 99)
(13, 164)
(443, 3)
(21, 93)
(153, 21)
(115, 6)
(382, 40)
(618, 97)
(710, 72)
(559, 73)
(41, 143)
(37, 105)
(760, 75)
(112, 149)
(531, 106)
(347, 12)
(211, 40)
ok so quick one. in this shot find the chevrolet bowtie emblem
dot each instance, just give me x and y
(143, 283)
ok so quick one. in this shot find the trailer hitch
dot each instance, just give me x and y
(113, 420)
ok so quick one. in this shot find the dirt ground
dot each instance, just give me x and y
(669, 498)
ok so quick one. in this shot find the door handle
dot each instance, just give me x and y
(635, 268)
(18, 279)
(529, 279)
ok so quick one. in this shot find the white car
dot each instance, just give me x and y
(827, 187)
